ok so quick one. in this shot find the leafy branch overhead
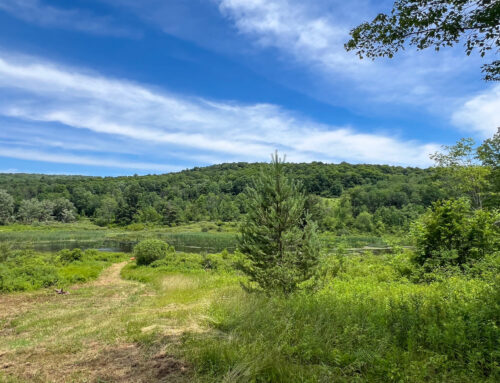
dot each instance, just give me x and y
(432, 23)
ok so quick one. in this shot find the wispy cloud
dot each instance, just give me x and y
(37, 155)
(159, 122)
(313, 34)
(480, 113)
(35, 11)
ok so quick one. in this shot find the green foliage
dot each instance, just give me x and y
(489, 154)
(277, 237)
(150, 250)
(215, 193)
(25, 270)
(6, 207)
(33, 210)
(64, 210)
(364, 222)
(367, 324)
(148, 215)
(432, 23)
(461, 171)
(105, 214)
(68, 256)
(5, 251)
(191, 262)
(451, 233)
(60, 209)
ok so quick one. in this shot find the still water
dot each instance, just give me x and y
(110, 245)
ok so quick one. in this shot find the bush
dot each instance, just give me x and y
(151, 250)
(451, 233)
(136, 227)
(68, 256)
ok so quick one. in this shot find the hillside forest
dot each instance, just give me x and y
(342, 198)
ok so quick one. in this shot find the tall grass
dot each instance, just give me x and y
(369, 323)
(26, 270)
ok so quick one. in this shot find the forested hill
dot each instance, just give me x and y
(380, 193)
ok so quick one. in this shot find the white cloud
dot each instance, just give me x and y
(292, 27)
(34, 11)
(313, 34)
(157, 122)
(36, 155)
(480, 113)
(9, 171)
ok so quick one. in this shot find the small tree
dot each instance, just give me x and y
(6, 207)
(31, 210)
(105, 214)
(364, 222)
(278, 239)
(459, 165)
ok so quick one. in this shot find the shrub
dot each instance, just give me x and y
(68, 256)
(451, 233)
(151, 250)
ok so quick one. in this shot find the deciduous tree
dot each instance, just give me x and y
(432, 23)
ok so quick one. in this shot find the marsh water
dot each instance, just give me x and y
(112, 242)
(189, 242)
(125, 246)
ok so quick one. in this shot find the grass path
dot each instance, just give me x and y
(109, 330)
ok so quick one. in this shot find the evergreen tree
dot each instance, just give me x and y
(278, 239)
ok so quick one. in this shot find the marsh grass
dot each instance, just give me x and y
(201, 237)
(54, 237)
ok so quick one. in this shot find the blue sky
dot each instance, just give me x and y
(118, 87)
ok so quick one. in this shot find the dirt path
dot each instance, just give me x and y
(111, 276)
(91, 335)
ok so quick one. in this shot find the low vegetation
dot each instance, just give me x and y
(26, 270)
(368, 323)
(312, 307)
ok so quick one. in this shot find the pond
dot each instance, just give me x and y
(110, 245)
(192, 242)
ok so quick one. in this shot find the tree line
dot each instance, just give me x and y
(341, 198)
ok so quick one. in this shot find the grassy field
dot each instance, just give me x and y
(366, 318)
(112, 329)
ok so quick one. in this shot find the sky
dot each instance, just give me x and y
(122, 87)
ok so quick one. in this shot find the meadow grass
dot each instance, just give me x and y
(365, 318)
(112, 329)
(26, 270)
(367, 322)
